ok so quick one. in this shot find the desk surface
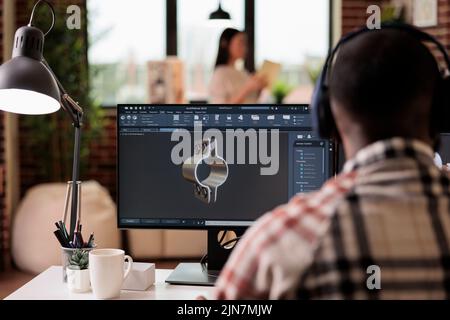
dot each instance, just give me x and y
(49, 286)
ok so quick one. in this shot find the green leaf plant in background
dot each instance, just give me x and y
(393, 12)
(280, 90)
(48, 139)
(314, 70)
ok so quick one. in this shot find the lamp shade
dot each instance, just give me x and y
(219, 14)
(26, 85)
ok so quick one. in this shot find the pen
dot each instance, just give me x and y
(80, 240)
(76, 239)
(90, 241)
(61, 228)
(62, 240)
(58, 236)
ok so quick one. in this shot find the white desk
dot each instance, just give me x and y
(49, 286)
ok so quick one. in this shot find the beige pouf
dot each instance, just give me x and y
(35, 247)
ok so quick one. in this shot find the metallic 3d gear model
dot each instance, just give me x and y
(206, 152)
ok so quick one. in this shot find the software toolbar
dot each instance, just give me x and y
(131, 118)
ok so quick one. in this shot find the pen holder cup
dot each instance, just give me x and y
(67, 254)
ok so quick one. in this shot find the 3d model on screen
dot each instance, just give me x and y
(205, 152)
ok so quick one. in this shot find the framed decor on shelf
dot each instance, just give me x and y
(425, 13)
(166, 81)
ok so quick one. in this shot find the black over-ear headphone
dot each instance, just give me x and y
(322, 116)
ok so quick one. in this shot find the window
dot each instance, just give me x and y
(198, 40)
(124, 36)
(294, 33)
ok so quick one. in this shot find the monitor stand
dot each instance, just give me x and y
(204, 275)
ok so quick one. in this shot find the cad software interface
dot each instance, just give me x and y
(153, 193)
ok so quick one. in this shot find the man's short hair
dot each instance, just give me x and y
(384, 75)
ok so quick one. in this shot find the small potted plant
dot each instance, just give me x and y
(77, 271)
(280, 90)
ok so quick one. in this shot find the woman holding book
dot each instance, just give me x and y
(231, 84)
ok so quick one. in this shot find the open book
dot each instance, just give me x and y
(270, 71)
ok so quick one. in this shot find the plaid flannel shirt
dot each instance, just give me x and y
(390, 208)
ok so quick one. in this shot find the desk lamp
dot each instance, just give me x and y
(29, 86)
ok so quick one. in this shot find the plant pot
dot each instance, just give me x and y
(66, 255)
(78, 280)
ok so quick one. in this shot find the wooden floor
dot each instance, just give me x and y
(12, 280)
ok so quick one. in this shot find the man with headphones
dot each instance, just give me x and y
(381, 229)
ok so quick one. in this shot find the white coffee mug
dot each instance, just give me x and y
(106, 268)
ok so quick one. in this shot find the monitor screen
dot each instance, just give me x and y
(444, 150)
(442, 157)
(270, 153)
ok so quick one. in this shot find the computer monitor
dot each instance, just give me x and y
(444, 153)
(269, 154)
(444, 150)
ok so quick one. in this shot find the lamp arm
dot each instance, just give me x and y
(75, 112)
(73, 109)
